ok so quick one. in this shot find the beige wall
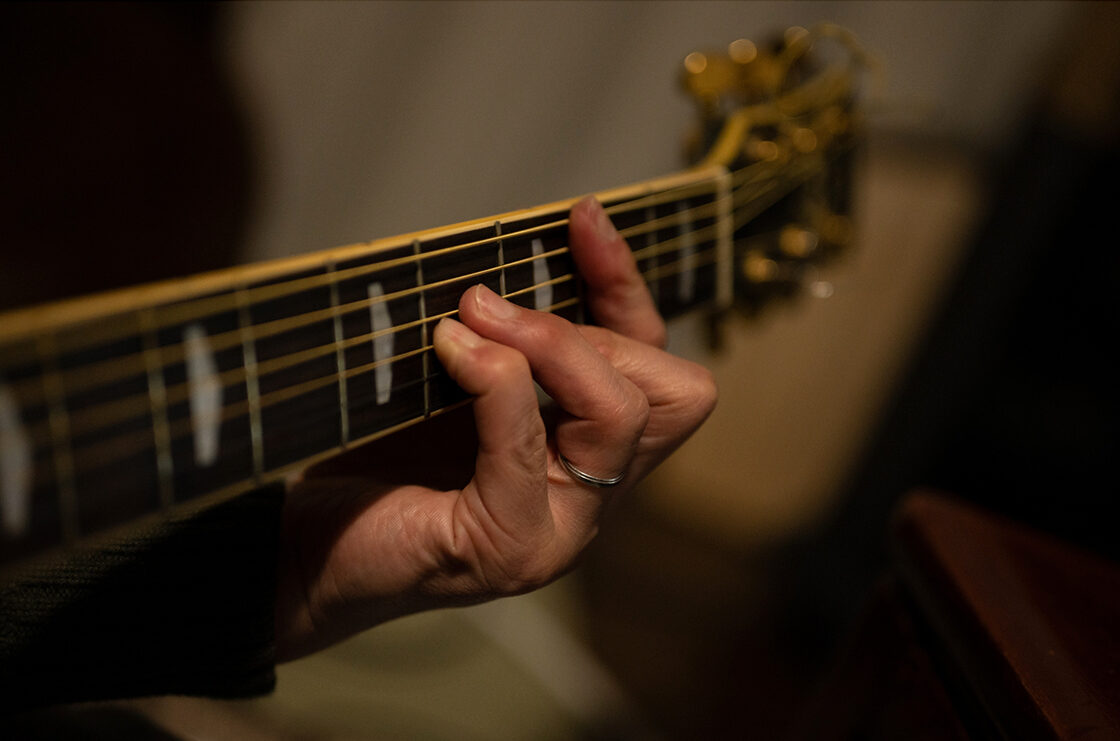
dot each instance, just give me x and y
(380, 118)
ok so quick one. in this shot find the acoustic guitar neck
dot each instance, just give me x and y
(119, 405)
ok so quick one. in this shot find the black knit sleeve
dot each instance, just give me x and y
(185, 607)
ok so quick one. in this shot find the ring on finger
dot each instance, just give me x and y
(586, 477)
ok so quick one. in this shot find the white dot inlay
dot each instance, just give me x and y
(205, 394)
(542, 294)
(382, 343)
(15, 466)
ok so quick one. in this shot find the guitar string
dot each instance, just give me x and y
(87, 426)
(114, 449)
(241, 409)
(284, 394)
(125, 409)
(198, 308)
(656, 271)
(112, 370)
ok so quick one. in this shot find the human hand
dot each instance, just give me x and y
(455, 512)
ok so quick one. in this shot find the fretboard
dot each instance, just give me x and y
(117, 406)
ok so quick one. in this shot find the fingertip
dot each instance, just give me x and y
(590, 223)
(586, 210)
(452, 340)
(480, 302)
(450, 331)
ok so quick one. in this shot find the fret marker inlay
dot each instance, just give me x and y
(381, 322)
(542, 294)
(205, 394)
(15, 466)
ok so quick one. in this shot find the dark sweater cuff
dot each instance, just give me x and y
(186, 607)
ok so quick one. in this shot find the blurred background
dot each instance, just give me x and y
(962, 347)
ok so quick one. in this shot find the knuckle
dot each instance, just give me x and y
(633, 407)
(548, 330)
(524, 569)
(502, 364)
(702, 389)
(653, 330)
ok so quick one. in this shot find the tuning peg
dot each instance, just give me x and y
(797, 242)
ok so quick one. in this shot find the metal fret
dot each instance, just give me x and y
(157, 395)
(425, 358)
(651, 240)
(725, 257)
(501, 259)
(340, 358)
(447, 274)
(252, 382)
(61, 452)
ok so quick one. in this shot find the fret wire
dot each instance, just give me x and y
(725, 252)
(198, 308)
(650, 239)
(339, 359)
(127, 408)
(252, 384)
(581, 298)
(95, 374)
(422, 307)
(225, 340)
(103, 450)
(501, 258)
(646, 228)
(158, 396)
(61, 443)
(123, 408)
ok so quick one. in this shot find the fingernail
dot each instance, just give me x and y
(493, 304)
(603, 226)
(457, 333)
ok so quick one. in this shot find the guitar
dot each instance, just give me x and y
(124, 405)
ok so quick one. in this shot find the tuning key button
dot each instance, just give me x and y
(797, 242)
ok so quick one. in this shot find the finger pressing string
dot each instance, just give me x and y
(510, 470)
(602, 415)
(618, 296)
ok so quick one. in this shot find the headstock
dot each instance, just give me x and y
(781, 118)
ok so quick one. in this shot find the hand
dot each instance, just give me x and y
(455, 511)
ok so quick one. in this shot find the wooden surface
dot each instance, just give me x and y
(1032, 623)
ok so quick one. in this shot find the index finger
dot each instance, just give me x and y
(616, 292)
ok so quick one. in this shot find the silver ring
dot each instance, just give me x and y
(586, 477)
